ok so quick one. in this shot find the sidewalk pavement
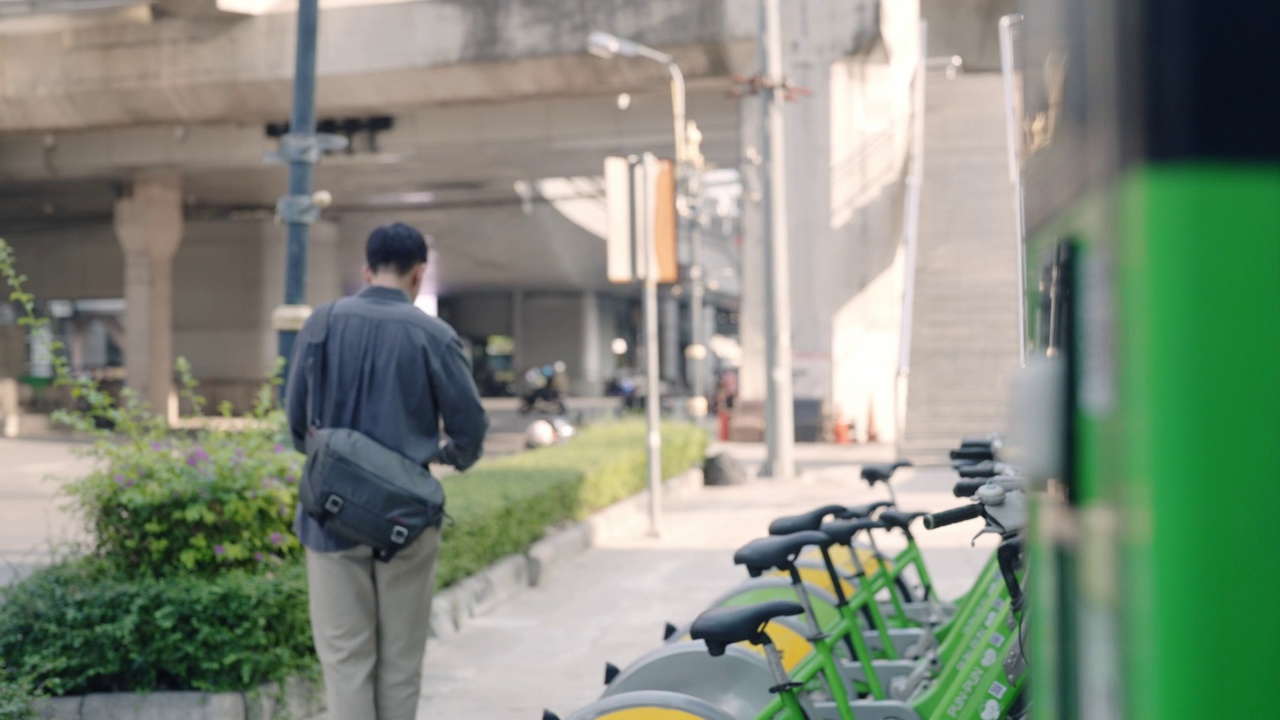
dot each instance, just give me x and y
(547, 648)
(32, 518)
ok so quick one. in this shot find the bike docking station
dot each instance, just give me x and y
(829, 627)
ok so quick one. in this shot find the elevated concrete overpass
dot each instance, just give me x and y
(495, 113)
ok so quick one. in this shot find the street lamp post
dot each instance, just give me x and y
(301, 148)
(605, 45)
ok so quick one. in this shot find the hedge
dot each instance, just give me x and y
(17, 699)
(504, 505)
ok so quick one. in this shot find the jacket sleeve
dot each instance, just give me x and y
(295, 404)
(465, 421)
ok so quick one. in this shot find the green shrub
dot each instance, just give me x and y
(161, 503)
(17, 699)
(82, 627)
(503, 505)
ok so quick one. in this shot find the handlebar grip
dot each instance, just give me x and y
(967, 487)
(984, 469)
(951, 517)
(973, 454)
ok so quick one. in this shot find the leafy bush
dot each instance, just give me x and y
(17, 699)
(83, 626)
(160, 503)
(504, 505)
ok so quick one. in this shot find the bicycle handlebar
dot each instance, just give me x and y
(973, 454)
(951, 517)
(968, 487)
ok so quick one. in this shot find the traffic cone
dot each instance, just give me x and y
(872, 433)
(841, 430)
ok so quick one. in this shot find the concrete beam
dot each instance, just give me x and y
(519, 139)
(371, 57)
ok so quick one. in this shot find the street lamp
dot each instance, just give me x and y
(606, 45)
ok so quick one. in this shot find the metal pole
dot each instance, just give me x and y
(653, 402)
(653, 398)
(781, 452)
(302, 128)
(685, 177)
(697, 295)
(1008, 62)
(678, 119)
(911, 239)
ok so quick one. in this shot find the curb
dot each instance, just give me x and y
(300, 698)
(451, 610)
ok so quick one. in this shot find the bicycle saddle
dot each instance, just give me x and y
(724, 626)
(881, 472)
(899, 519)
(804, 521)
(777, 551)
(858, 512)
(841, 532)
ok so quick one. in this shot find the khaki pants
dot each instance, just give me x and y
(369, 620)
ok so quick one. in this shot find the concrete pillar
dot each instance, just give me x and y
(148, 225)
(8, 407)
(669, 329)
(517, 333)
(592, 370)
(846, 148)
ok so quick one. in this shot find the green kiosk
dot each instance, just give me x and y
(1148, 134)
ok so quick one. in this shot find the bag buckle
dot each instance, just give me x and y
(333, 505)
(399, 534)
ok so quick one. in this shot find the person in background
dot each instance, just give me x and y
(395, 374)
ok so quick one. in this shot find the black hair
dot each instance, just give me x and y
(396, 246)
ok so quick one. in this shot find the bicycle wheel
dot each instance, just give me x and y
(651, 705)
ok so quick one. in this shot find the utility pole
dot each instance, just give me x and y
(780, 411)
(697, 351)
(653, 396)
(301, 147)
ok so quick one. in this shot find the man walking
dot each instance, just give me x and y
(395, 374)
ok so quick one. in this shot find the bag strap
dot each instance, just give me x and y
(316, 361)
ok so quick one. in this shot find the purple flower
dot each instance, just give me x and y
(276, 538)
(120, 479)
(197, 456)
(290, 479)
(219, 551)
(259, 557)
(157, 446)
(279, 448)
(284, 511)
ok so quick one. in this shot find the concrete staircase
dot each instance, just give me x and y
(964, 340)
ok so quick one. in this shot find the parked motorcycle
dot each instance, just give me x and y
(542, 393)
